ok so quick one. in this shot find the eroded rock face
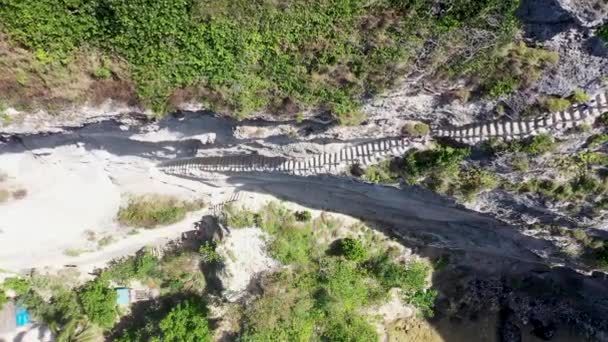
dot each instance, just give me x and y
(588, 13)
(543, 12)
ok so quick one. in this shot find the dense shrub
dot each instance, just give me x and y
(292, 244)
(349, 328)
(580, 96)
(351, 249)
(303, 216)
(539, 144)
(98, 302)
(19, 285)
(443, 159)
(602, 32)
(380, 173)
(555, 104)
(472, 181)
(186, 322)
(410, 277)
(142, 267)
(601, 255)
(603, 119)
(245, 56)
(209, 254)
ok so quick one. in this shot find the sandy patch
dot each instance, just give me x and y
(244, 253)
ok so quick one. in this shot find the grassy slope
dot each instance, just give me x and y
(244, 56)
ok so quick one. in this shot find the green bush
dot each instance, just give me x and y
(102, 73)
(503, 87)
(292, 245)
(19, 285)
(410, 277)
(585, 184)
(98, 302)
(239, 217)
(303, 216)
(580, 96)
(186, 322)
(352, 249)
(424, 300)
(444, 159)
(152, 210)
(597, 140)
(539, 144)
(601, 255)
(209, 254)
(3, 298)
(142, 267)
(472, 181)
(602, 32)
(349, 328)
(380, 173)
(520, 162)
(554, 104)
(603, 119)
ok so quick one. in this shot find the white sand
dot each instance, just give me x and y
(244, 253)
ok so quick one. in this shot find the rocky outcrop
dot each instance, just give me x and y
(588, 13)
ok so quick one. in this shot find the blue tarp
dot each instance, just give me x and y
(21, 316)
(123, 296)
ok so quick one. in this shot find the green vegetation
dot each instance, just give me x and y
(98, 302)
(597, 140)
(515, 67)
(153, 210)
(576, 189)
(602, 32)
(519, 162)
(352, 249)
(319, 295)
(73, 252)
(603, 119)
(441, 169)
(208, 253)
(418, 129)
(239, 217)
(303, 216)
(475, 180)
(19, 285)
(185, 322)
(143, 266)
(580, 96)
(441, 163)
(380, 173)
(556, 104)
(533, 146)
(243, 56)
(539, 144)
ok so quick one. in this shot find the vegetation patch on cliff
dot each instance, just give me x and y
(244, 56)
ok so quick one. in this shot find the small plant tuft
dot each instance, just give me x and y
(556, 104)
